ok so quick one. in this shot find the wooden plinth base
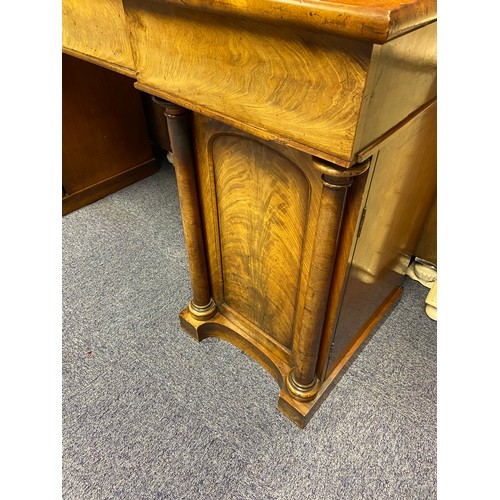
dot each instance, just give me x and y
(301, 413)
(220, 327)
(90, 194)
(297, 411)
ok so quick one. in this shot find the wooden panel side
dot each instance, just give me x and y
(402, 78)
(104, 130)
(298, 88)
(94, 192)
(401, 192)
(260, 205)
(96, 30)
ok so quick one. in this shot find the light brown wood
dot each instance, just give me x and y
(402, 79)
(401, 192)
(262, 223)
(259, 246)
(313, 91)
(362, 19)
(298, 88)
(96, 31)
(289, 260)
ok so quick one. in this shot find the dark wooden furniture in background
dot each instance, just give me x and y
(304, 143)
(105, 140)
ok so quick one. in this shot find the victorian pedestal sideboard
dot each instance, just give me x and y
(304, 143)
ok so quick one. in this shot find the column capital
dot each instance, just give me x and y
(337, 177)
(172, 110)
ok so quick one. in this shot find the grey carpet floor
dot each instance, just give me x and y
(150, 414)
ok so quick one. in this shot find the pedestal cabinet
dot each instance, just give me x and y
(105, 140)
(304, 143)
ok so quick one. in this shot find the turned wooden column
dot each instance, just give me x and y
(201, 306)
(302, 382)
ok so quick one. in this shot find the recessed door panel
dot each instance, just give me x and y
(262, 205)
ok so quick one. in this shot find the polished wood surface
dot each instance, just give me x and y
(262, 222)
(105, 142)
(201, 305)
(302, 89)
(402, 79)
(400, 194)
(304, 144)
(322, 94)
(263, 242)
(96, 31)
(367, 20)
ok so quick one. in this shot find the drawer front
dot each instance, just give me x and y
(96, 30)
(299, 88)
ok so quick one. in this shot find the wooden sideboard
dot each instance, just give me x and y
(304, 144)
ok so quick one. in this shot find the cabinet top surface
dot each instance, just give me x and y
(375, 21)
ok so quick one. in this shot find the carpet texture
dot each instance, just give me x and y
(150, 414)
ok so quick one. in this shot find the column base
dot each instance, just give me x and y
(299, 412)
(278, 365)
(299, 391)
(204, 312)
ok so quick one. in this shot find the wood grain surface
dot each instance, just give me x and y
(374, 21)
(260, 204)
(402, 191)
(96, 30)
(263, 201)
(299, 88)
(401, 80)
